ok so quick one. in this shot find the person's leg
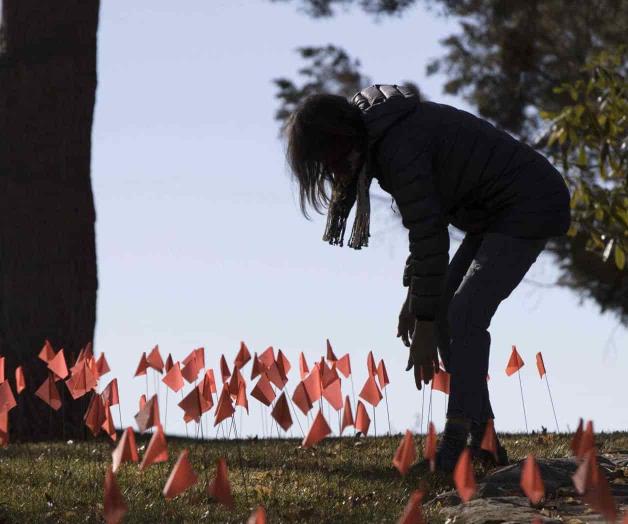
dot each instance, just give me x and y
(497, 268)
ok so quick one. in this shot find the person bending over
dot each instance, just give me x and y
(441, 165)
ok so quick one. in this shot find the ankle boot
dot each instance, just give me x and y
(477, 434)
(452, 443)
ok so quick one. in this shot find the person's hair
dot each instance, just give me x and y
(321, 129)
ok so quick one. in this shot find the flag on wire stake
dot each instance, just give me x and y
(515, 363)
(540, 364)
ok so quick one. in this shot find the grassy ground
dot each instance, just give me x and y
(342, 480)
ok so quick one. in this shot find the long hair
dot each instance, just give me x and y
(319, 131)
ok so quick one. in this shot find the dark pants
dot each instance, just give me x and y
(483, 272)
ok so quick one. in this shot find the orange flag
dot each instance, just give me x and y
(157, 449)
(301, 398)
(429, 451)
(154, 360)
(82, 380)
(242, 357)
(173, 378)
(126, 450)
(515, 362)
(330, 353)
(258, 516)
(333, 394)
(347, 415)
(181, 477)
(267, 357)
(169, 363)
(49, 393)
(191, 368)
(327, 374)
(589, 481)
(303, 368)
(370, 364)
(4, 429)
(257, 366)
(102, 366)
(241, 399)
(58, 366)
(531, 481)
(47, 353)
(344, 365)
(281, 412)
(464, 478)
(114, 507)
(263, 391)
(370, 392)
(382, 374)
(148, 416)
(405, 454)
(194, 404)
(362, 420)
(142, 401)
(489, 440)
(276, 375)
(317, 432)
(587, 440)
(441, 381)
(575, 441)
(20, 381)
(142, 366)
(540, 365)
(412, 512)
(284, 363)
(107, 426)
(235, 381)
(224, 369)
(95, 416)
(219, 488)
(312, 383)
(224, 409)
(1, 370)
(7, 400)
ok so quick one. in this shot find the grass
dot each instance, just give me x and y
(341, 480)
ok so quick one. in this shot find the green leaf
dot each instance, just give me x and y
(582, 157)
(620, 257)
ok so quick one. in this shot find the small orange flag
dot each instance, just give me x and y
(49, 393)
(4, 429)
(267, 357)
(257, 366)
(258, 516)
(382, 374)
(148, 416)
(301, 398)
(590, 482)
(7, 400)
(464, 478)
(587, 440)
(531, 481)
(142, 401)
(181, 477)
(241, 399)
(281, 412)
(333, 394)
(347, 415)
(81, 381)
(47, 352)
(515, 363)
(303, 367)
(114, 507)
(173, 378)
(263, 391)
(540, 365)
(441, 381)
(370, 392)
(242, 357)
(20, 381)
(276, 375)
(284, 363)
(142, 366)
(405, 454)
(225, 408)
(362, 420)
(107, 426)
(429, 450)
(191, 368)
(169, 363)
(317, 432)
(235, 381)
(126, 450)
(95, 416)
(157, 449)
(330, 353)
(154, 360)
(224, 369)
(102, 366)
(219, 488)
(194, 404)
(412, 512)
(577, 437)
(327, 374)
(58, 365)
(2, 370)
(489, 440)
(344, 365)
(312, 383)
(370, 364)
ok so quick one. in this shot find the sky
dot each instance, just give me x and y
(200, 241)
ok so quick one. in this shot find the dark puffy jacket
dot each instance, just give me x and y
(443, 165)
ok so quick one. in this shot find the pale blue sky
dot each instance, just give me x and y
(200, 241)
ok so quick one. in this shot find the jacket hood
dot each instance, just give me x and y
(383, 105)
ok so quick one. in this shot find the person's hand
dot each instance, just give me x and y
(405, 327)
(423, 352)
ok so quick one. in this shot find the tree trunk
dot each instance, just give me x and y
(48, 277)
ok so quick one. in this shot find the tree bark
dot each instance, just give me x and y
(48, 278)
